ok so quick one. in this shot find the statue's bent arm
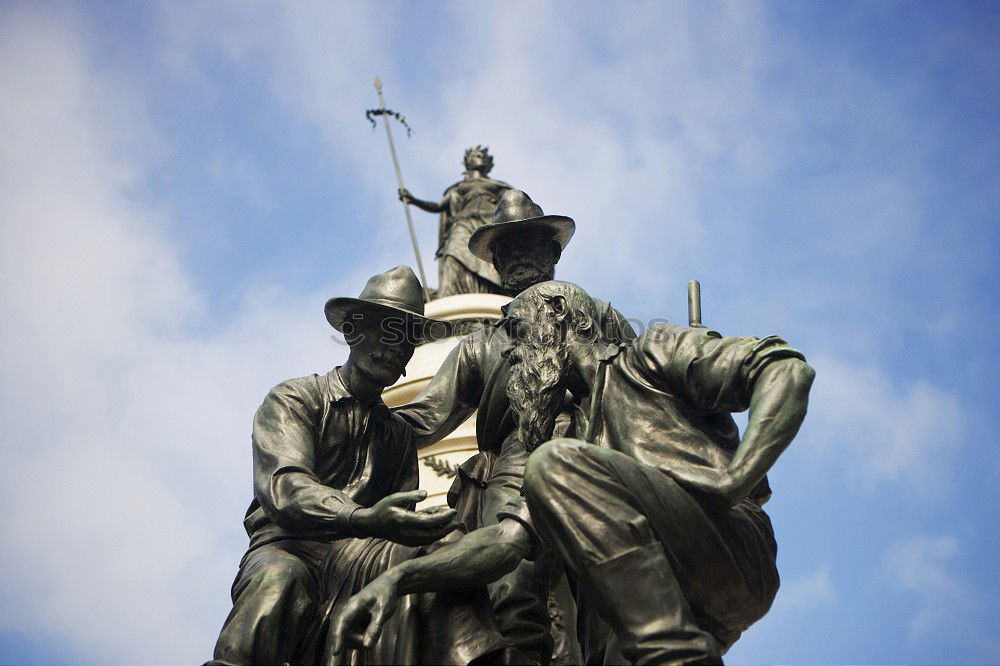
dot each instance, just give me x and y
(728, 374)
(777, 409)
(283, 458)
(423, 204)
(477, 558)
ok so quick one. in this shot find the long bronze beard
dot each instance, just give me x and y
(536, 390)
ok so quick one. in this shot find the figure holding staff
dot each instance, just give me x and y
(465, 206)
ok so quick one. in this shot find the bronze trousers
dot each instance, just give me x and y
(633, 538)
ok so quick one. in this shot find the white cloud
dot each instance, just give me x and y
(884, 431)
(583, 133)
(624, 123)
(924, 566)
(319, 59)
(524, 78)
(126, 440)
(814, 588)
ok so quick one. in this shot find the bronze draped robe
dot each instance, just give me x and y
(471, 203)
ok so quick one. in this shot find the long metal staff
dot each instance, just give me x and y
(399, 179)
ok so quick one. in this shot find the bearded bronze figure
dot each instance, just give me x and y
(524, 244)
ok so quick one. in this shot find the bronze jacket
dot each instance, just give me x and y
(318, 453)
(667, 399)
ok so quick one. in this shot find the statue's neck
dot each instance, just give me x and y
(358, 383)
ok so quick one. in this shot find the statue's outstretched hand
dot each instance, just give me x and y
(391, 519)
(360, 622)
(404, 195)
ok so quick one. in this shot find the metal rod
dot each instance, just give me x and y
(399, 179)
(694, 304)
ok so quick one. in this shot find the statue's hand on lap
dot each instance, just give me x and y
(391, 519)
(360, 622)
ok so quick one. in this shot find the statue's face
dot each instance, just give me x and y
(521, 318)
(382, 351)
(530, 322)
(477, 161)
(525, 259)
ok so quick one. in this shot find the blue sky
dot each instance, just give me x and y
(182, 185)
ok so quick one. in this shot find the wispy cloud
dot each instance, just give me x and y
(119, 427)
(524, 78)
(925, 566)
(884, 430)
(811, 589)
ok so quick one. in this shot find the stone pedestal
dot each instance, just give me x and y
(439, 461)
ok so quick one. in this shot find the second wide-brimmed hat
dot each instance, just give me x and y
(516, 213)
(392, 296)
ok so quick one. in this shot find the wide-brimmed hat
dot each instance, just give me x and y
(516, 213)
(393, 296)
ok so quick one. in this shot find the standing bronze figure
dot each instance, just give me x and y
(465, 206)
(653, 502)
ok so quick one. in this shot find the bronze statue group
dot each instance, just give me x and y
(610, 478)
